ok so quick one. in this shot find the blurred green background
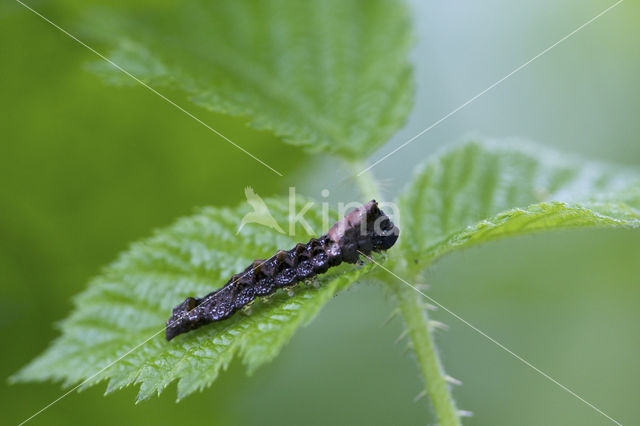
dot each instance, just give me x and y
(85, 169)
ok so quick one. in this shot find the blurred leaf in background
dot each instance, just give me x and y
(331, 75)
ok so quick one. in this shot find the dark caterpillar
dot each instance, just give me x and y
(364, 230)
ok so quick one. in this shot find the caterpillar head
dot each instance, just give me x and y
(364, 230)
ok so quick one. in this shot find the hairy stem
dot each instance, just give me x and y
(366, 182)
(415, 317)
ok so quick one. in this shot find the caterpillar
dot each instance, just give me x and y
(362, 231)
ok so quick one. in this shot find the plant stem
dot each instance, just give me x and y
(366, 182)
(417, 322)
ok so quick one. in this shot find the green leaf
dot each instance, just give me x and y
(134, 296)
(482, 191)
(331, 76)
